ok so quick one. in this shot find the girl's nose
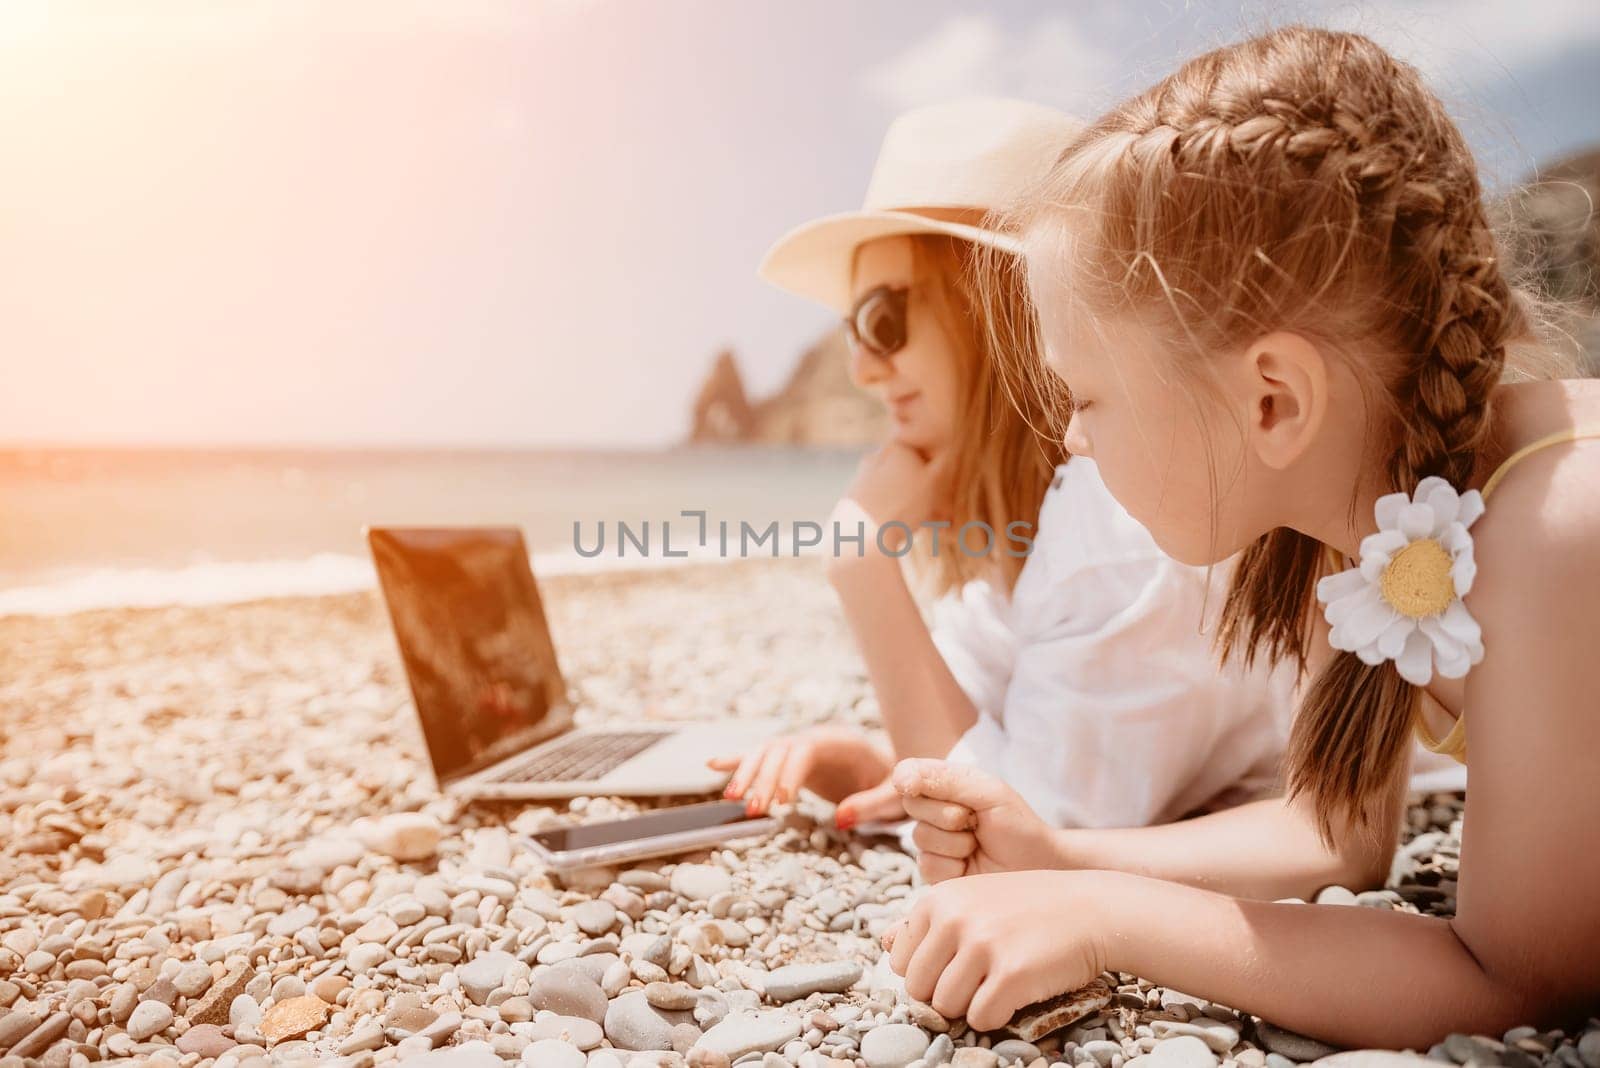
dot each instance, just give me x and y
(866, 368)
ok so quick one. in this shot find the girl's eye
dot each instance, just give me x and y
(1079, 405)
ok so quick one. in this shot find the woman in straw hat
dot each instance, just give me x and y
(1077, 671)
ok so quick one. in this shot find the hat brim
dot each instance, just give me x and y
(814, 259)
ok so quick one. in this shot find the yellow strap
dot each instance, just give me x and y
(1454, 743)
(1558, 438)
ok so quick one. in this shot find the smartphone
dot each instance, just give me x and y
(653, 834)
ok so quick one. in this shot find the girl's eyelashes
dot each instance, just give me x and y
(1078, 404)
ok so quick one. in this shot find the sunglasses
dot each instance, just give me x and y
(877, 323)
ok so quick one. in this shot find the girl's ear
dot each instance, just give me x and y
(1286, 385)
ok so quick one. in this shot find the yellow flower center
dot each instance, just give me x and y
(1417, 582)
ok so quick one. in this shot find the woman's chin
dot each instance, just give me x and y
(922, 438)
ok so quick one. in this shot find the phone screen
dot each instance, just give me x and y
(650, 825)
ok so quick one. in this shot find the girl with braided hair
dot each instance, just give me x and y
(1271, 287)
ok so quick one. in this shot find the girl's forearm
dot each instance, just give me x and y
(1347, 975)
(925, 711)
(1265, 850)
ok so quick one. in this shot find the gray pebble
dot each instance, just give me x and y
(149, 1018)
(632, 1023)
(893, 1045)
(742, 1033)
(553, 1053)
(595, 917)
(796, 981)
(568, 992)
(700, 882)
(1015, 1049)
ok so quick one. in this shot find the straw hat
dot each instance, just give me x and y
(939, 169)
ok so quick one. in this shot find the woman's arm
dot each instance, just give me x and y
(924, 709)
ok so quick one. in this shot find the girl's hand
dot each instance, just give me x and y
(971, 823)
(836, 763)
(987, 946)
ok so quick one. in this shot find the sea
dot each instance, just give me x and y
(98, 528)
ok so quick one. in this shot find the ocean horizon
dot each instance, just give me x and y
(90, 528)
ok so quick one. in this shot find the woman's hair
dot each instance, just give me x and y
(1303, 180)
(1003, 457)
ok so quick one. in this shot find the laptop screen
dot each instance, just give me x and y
(473, 637)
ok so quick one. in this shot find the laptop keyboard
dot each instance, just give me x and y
(581, 757)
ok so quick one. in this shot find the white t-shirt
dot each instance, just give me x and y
(1100, 698)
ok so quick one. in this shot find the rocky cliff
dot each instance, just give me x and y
(818, 405)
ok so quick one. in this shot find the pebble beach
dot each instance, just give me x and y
(221, 844)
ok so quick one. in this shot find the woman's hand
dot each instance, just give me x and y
(895, 483)
(971, 823)
(987, 946)
(836, 763)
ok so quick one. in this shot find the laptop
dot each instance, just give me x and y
(494, 708)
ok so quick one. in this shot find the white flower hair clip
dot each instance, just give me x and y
(1404, 602)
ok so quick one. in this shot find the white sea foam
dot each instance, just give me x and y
(228, 583)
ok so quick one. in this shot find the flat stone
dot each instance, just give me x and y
(42, 1037)
(483, 974)
(553, 1053)
(466, 1055)
(1045, 1017)
(744, 1033)
(286, 924)
(568, 992)
(632, 1023)
(1288, 1044)
(978, 1057)
(674, 997)
(39, 962)
(244, 1012)
(149, 1019)
(14, 1027)
(940, 1051)
(582, 1033)
(893, 1045)
(1185, 1051)
(1015, 1049)
(405, 910)
(643, 879)
(213, 1008)
(412, 1018)
(796, 981)
(162, 990)
(1375, 1058)
(193, 979)
(1589, 1049)
(366, 957)
(595, 917)
(293, 1019)
(368, 1036)
(1218, 1036)
(442, 1030)
(700, 882)
(405, 836)
(205, 1039)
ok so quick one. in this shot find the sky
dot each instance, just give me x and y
(508, 223)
